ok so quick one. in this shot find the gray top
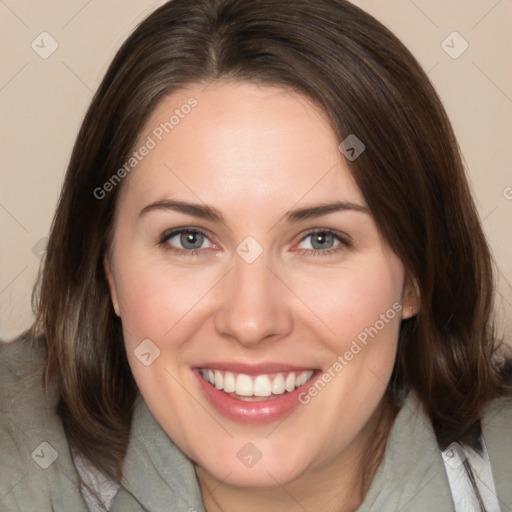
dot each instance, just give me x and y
(38, 473)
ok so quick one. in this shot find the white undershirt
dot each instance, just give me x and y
(464, 497)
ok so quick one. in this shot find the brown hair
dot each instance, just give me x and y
(411, 176)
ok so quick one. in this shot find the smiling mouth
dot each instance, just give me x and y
(251, 388)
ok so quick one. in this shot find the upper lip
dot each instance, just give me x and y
(254, 368)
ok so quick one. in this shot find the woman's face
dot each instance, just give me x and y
(244, 253)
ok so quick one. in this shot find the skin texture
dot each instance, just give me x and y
(255, 152)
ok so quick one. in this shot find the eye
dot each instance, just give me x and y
(322, 242)
(185, 240)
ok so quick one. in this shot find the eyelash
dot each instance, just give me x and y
(181, 252)
(344, 242)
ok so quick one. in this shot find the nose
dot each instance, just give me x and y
(253, 307)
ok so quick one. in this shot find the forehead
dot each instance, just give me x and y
(237, 141)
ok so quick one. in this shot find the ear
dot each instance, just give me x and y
(111, 283)
(411, 300)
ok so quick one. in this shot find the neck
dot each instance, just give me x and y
(337, 486)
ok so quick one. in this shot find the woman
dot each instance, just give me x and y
(266, 286)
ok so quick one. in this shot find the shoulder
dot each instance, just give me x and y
(22, 396)
(21, 370)
(20, 361)
(36, 471)
(497, 434)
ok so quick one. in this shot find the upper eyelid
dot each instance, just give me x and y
(331, 231)
(169, 233)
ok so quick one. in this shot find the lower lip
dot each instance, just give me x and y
(254, 412)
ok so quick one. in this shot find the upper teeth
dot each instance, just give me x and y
(258, 385)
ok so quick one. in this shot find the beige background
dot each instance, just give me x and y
(42, 103)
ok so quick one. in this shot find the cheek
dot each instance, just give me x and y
(360, 312)
(360, 302)
(154, 297)
(158, 303)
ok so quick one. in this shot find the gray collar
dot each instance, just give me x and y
(411, 476)
(157, 475)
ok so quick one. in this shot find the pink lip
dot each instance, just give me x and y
(257, 412)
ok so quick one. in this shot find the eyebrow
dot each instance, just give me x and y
(212, 214)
